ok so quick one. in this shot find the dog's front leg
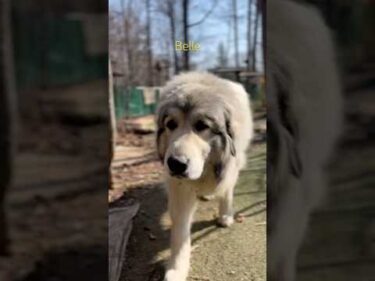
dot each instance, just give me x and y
(182, 204)
(226, 200)
(226, 208)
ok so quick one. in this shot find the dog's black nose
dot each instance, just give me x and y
(176, 166)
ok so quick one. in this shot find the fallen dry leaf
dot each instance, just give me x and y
(240, 218)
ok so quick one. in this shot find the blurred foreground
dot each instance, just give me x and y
(56, 206)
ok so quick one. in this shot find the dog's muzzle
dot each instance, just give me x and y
(177, 167)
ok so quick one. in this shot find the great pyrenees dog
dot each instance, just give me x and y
(304, 122)
(204, 129)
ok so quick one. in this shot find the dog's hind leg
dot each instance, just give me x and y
(182, 205)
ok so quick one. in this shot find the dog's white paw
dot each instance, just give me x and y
(174, 275)
(225, 220)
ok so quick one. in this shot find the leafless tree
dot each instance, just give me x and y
(168, 8)
(116, 50)
(235, 26)
(185, 24)
(171, 12)
(255, 38)
(134, 40)
(262, 5)
(222, 58)
(129, 39)
(205, 16)
(149, 44)
(111, 102)
(132, 49)
(127, 12)
(249, 26)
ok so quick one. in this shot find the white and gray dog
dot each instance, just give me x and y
(304, 120)
(204, 128)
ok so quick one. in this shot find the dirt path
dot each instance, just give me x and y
(236, 253)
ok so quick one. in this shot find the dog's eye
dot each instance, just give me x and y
(171, 125)
(200, 126)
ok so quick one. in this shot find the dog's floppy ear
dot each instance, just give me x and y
(161, 137)
(223, 147)
(229, 134)
(219, 155)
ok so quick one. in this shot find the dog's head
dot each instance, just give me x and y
(194, 132)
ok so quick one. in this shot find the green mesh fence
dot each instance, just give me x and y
(131, 102)
(44, 57)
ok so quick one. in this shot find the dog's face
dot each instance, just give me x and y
(192, 138)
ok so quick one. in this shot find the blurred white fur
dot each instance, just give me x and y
(303, 88)
(228, 105)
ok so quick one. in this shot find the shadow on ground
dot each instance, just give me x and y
(218, 254)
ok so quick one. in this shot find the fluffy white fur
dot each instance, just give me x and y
(301, 73)
(207, 94)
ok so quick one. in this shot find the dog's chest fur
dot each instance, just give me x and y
(205, 185)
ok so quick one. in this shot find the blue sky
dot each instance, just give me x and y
(216, 29)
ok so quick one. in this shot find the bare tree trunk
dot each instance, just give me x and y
(263, 10)
(112, 106)
(122, 37)
(185, 20)
(7, 115)
(112, 117)
(237, 61)
(128, 62)
(172, 22)
(249, 47)
(257, 13)
(127, 49)
(167, 7)
(149, 45)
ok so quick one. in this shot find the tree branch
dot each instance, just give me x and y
(208, 13)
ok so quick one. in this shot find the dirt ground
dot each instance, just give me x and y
(219, 254)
